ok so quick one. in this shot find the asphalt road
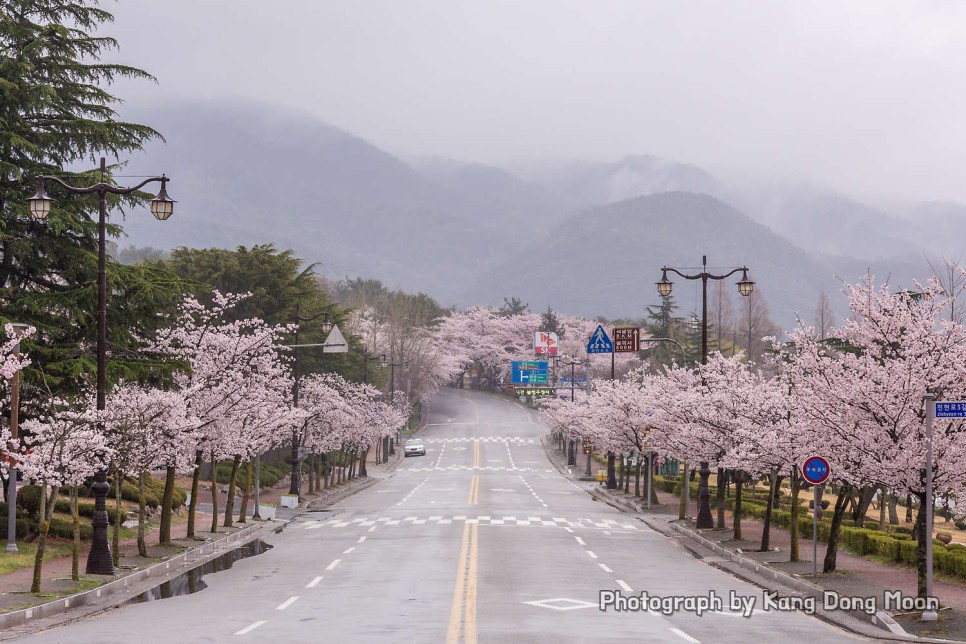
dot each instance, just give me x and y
(479, 540)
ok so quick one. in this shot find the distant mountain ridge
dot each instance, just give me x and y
(473, 234)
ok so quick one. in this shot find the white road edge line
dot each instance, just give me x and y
(288, 602)
(250, 628)
(332, 565)
(580, 541)
(591, 554)
(605, 568)
(348, 550)
(623, 584)
(361, 539)
(685, 636)
(314, 582)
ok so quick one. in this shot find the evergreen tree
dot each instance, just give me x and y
(513, 306)
(550, 323)
(55, 113)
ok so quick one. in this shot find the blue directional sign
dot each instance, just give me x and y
(530, 372)
(816, 470)
(950, 409)
(600, 342)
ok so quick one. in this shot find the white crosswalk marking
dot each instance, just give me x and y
(612, 525)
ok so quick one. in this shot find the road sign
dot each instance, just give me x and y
(524, 390)
(816, 470)
(545, 344)
(530, 372)
(578, 380)
(627, 340)
(950, 409)
(599, 342)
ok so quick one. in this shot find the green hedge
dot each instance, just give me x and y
(895, 544)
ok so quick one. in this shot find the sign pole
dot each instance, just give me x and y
(815, 533)
(650, 468)
(929, 615)
(816, 471)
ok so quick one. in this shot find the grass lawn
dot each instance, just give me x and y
(11, 561)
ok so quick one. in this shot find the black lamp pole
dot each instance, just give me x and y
(295, 486)
(387, 441)
(745, 288)
(100, 561)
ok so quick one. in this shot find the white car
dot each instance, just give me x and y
(413, 447)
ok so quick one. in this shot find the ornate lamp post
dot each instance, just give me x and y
(296, 484)
(745, 288)
(387, 442)
(100, 560)
(18, 330)
(571, 445)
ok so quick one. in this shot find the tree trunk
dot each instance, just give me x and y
(793, 528)
(637, 478)
(311, 462)
(214, 493)
(818, 508)
(739, 480)
(363, 472)
(627, 474)
(685, 492)
(921, 549)
(246, 493)
(908, 508)
(893, 513)
(865, 499)
(75, 551)
(833, 534)
(164, 531)
(230, 502)
(720, 497)
(142, 544)
(195, 484)
(773, 483)
(46, 511)
(883, 500)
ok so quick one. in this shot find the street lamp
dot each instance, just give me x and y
(387, 362)
(745, 288)
(18, 332)
(366, 359)
(296, 484)
(571, 445)
(100, 560)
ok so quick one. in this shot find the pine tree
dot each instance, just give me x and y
(55, 113)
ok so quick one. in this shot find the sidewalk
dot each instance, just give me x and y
(855, 576)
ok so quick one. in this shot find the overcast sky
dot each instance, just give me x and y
(867, 97)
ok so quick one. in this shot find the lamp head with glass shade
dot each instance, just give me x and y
(162, 206)
(746, 287)
(326, 325)
(665, 285)
(40, 202)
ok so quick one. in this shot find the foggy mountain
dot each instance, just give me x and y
(578, 237)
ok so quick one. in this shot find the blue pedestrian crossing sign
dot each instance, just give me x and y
(600, 342)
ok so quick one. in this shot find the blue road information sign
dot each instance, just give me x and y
(950, 409)
(530, 372)
(600, 342)
(816, 470)
(578, 380)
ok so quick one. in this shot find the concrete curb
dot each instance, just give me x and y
(880, 619)
(189, 559)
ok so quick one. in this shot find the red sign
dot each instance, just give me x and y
(627, 340)
(545, 344)
(816, 470)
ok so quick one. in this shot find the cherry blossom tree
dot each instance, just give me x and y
(232, 368)
(60, 449)
(865, 392)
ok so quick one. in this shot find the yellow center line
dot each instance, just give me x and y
(474, 496)
(476, 453)
(462, 616)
